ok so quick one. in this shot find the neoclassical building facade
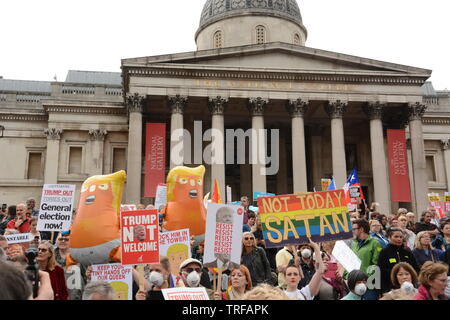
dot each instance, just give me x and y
(252, 70)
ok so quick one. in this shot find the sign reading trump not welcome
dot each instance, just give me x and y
(293, 219)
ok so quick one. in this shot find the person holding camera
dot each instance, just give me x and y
(21, 222)
(46, 259)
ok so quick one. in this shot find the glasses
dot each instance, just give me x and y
(64, 239)
(42, 250)
(248, 238)
(356, 229)
(189, 270)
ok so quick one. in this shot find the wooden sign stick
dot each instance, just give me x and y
(140, 269)
(219, 280)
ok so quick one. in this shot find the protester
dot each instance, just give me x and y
(433, 281)
(62, 249)
(255, 259)
(98, 290)
(393, 223)
(159, 278)
(397, 295)
(367, 249)
(383, 220)
(404, 277)
(265, 292)
(245, 202)
(442, 240)
(190, 271)
(283, 259)
(10, 215)
(411, 225)
(31, 204)
(423, 250)
(410, 236)
(426, 225)
(401, 212)
(376, 233)
(357, 284)
(250, 222)
(20, 222)
(306, 263)
(257, 232)
(240, 282)
(394, 253)
(47, 262)
(435, 216)
(332, 286)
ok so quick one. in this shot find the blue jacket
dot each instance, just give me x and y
(381, 239)
(422, 257)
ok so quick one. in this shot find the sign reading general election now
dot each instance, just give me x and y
(292, 219)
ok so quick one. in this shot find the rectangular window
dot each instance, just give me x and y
(431, 169)
(119, 159)
(75, 160)
(35, 166)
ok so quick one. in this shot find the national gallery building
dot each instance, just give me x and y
(252, 70)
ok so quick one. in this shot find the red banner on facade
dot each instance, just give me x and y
(155, 158)
(398, 166)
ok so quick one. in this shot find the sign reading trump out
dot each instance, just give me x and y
(293, 219)
(140, 237)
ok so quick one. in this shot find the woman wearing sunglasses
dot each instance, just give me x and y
(255, 259)
(47, 262)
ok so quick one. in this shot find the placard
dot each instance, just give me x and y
(120, 277)
(19, 238)
(176, 246)
(325, 184)
(346, 257)
(185, 294)
(447, 202)
(161, 196)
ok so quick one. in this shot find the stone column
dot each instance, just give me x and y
(297, 109)
(282, 176)
(217, 108)
(177, 104)
(258, 144)
(97, 149)
(336, 111)
(446, 151)
(317, 155)
(379, 167)
(135, 106)
(416, 112)
(52, 155)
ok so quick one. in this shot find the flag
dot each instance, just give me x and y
(215, 198)
(332, 185)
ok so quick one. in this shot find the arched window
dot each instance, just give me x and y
(260, 35)
(218, 40)
(297, 40)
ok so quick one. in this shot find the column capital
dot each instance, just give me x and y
(374, 110)
(53, 133)
(445, 143)
(257, 105)
(177, 103)
(98, 134)
(217, 105)
(297, 108)
(336, 109)
(416, 111)
(135, 103)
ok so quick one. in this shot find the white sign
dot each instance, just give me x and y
(346, 257)
(19, 238)
(223, 237)
(55, 212)
(185, 294)
(161, 196)
(118, 276)
(229, 200)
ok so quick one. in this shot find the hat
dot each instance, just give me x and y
(188, 261)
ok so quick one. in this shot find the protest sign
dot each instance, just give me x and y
(325, 184)
(434, 200)
(223, 237)
(120, 277)
(447, 202)
(185, 294)
(140, 237)
(176, 246)
(294, 219)
(257, 195)
(355, 195)
(346, 257)
(19, 238)
(128, 207)
(161, 196)
(56, 208)
(229, 199)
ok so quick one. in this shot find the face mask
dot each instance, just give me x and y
(156, 278)
(360, 289)
(193, 279)
(306, 253)
(407, 286)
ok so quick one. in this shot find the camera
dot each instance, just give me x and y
(32, 270)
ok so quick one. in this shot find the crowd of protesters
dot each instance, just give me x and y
(401, 259)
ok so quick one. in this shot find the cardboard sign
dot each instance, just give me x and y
(325, 184)
(294, 219)
(56, 208)
(19, 238)
(185, 294)
(229, 199)
(118, 276)
(346, 257)
(161, 196)
(140, 237)
(434, 200)
(355, 195)
(223, 238)
(128, 207)
(176, 246)
(447, 202)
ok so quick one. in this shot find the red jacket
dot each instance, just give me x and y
(24, 228)
(424, 294)
(58, 283)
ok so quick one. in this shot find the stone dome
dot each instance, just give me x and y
(229, 23)
(215, 10)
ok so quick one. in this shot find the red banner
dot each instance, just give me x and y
(155, 158)
(140, 237)
(398, 166)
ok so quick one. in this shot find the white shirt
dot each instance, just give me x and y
(300, 294)
(447, 290)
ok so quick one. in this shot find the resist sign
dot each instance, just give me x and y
(140, 237)
(56, 208)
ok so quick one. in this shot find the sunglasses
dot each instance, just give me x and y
(247, 238)
(64, 239)
(189, 270)
(42, 250)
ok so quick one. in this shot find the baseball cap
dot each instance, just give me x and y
(188, 261)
